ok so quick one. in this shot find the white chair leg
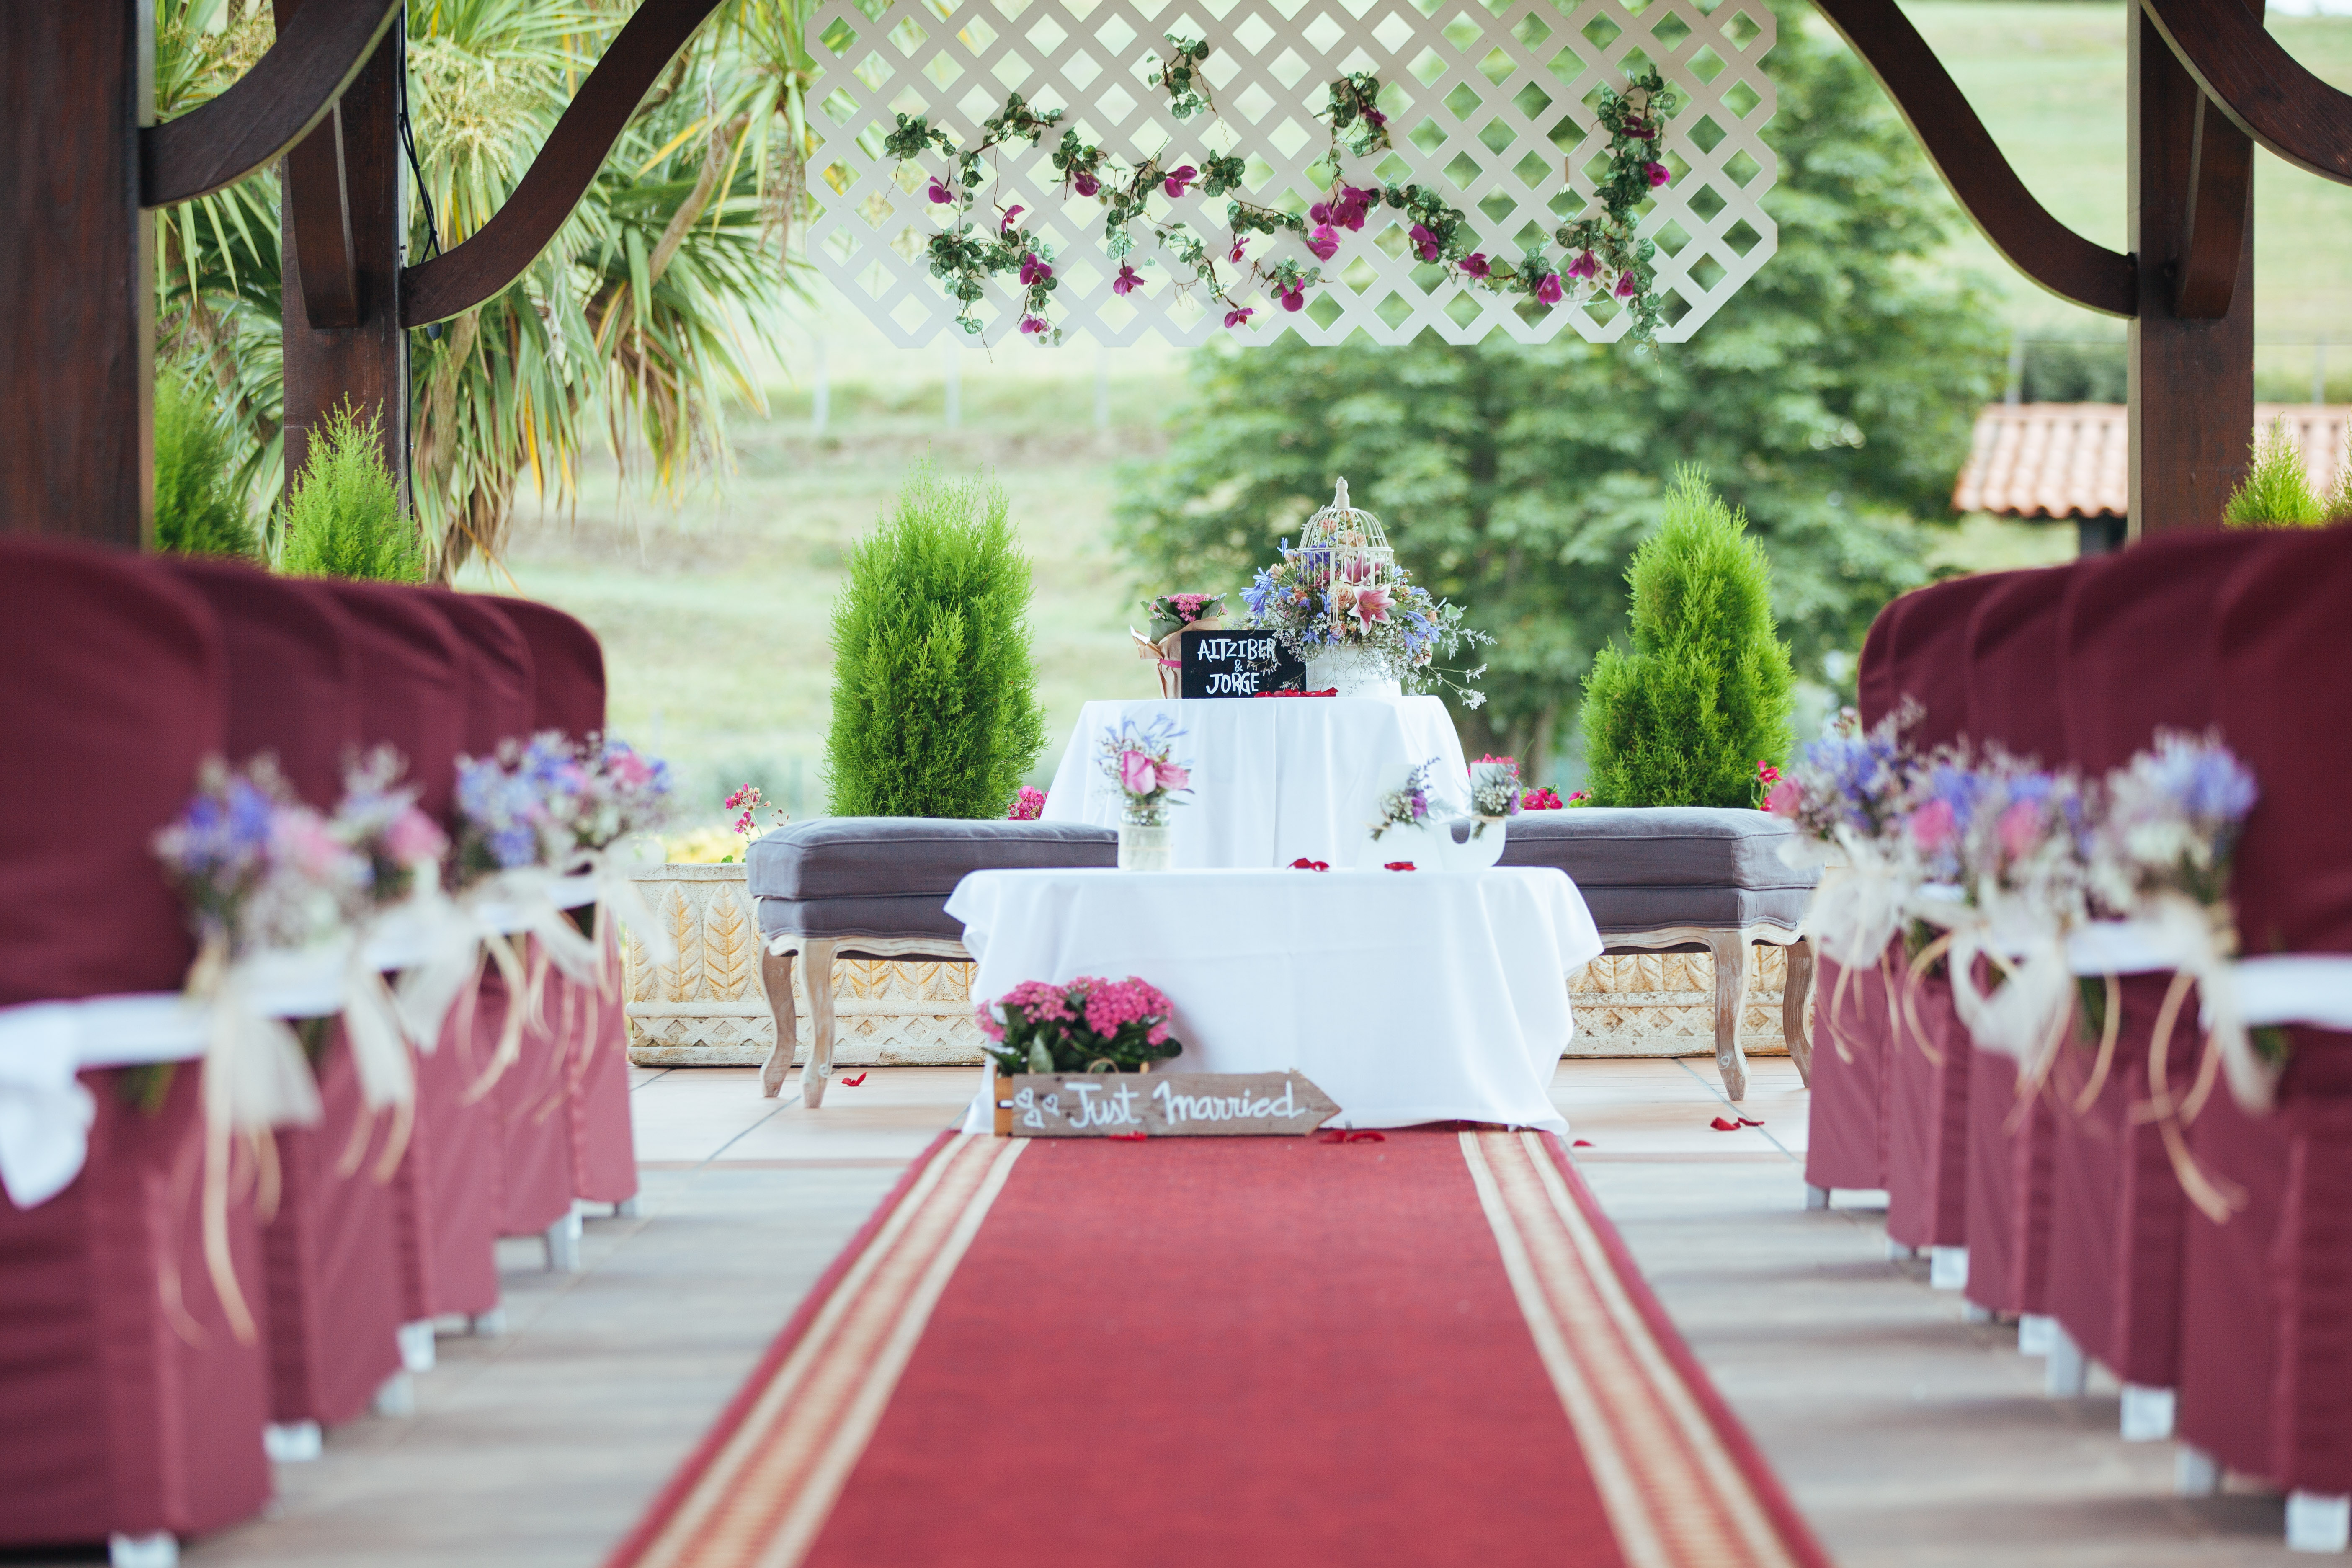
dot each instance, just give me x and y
(776, 978)
(161, 1550)
(2318, 1523)
(2147, 1414)
(1897, 1252)
(630, 1207)
(292, 1442)
(2066, 1373)
(1948, 1267)
(1733, 957)
(819, 954)
(2033, 1333)
(2195, 1472)
(1816, 1197)
(562, 1240)
(489, 1325)
(418, 1348)
(395, 1397)
(1972, 1313)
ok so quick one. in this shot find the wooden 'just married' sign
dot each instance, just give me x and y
(1160, 1104)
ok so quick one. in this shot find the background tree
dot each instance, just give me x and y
(1831, 400)
(637, 316)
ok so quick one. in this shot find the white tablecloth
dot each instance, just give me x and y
(1407, 996)
(1273, 778)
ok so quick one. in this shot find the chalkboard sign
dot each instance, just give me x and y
(1160, 1104)
(1235, 664)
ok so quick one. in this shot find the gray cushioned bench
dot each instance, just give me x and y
(876, 887)
(1687, 879)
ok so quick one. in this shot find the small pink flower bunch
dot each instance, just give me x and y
(748, 800)
(1088, 1026)
(256, 867)
(1768, 779)
(1543, 799)
(378, 819)
(1028, 805)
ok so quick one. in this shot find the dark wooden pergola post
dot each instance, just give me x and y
(78, 330)
(2193, 339)
(344, 229)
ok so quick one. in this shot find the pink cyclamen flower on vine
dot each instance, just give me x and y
(1475, 264)
(1234, 255)
(1033, 271)
(1127, 282)
(1627, 285)
(1294, 301)
(1584, 266)
(1354, 204)
(1549, 291)
(1424, 242)
(1380, 122)
(1006, 226)
(1178, 179)
(1085, 183)
(1324, 242)
(941, 195)
(1235, 318)
(1658, 174)
(1034, 324)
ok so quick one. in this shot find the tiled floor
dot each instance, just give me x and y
(1906, 1436)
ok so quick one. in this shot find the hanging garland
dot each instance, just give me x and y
(1603, 257)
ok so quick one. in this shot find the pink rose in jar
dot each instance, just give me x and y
(1137, 774)
(1174, 776)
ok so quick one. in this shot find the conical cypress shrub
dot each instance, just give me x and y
(198, 512)
(344, 518)
(1705, 694)
(934, 688)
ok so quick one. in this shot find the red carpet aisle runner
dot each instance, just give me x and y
(1245, 1351)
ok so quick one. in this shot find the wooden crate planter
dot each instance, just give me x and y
(709, 1009)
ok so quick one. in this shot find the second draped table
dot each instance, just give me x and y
(1407, 997)
(1273, 778)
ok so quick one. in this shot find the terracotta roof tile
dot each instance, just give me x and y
(2071, 459)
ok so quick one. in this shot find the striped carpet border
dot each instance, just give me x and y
(757, 1491)
(1683, 1485)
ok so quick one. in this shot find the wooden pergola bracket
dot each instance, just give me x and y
(2213, 231)
(502, 249)
(2264, 90)
(318, 203)
(288, 91)
(1965, 154)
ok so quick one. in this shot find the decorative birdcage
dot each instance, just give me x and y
(1345, 552)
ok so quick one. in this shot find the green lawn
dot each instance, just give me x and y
(714, 612)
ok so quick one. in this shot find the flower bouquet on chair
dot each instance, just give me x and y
(1340, 601)
(1140, 764)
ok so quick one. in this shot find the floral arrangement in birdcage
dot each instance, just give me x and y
(1088, 1026)
(1141, 762)
(1340, 589)
(1174, 612)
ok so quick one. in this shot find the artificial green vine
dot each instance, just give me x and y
(963, 258)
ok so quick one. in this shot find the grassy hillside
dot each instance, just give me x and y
(714, 614)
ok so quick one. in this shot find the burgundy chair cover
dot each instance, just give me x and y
(534, 1128)
(2012, 664)
(2134, 655)
(569, 670)
(117, 1415)
(1927, 1069)
(1845, 1138)
(413, 678)
(2266, 1322)
(332, 1257)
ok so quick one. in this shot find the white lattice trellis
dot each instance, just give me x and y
(1495, 92)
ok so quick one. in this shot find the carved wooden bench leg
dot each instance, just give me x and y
(1793, 997)
(819, 954)
(1732, 960)
(776, 975)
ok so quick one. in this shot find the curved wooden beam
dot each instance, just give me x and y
(1965, 154)
(268, 108)
(2213, 231)
(2262, 88)
(502, 249)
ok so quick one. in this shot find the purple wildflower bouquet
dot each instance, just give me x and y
(256, 867)
(1494, 790)
(378, 819)
(1088, 1026)
(548, 802)
(1141, 762)
(1407, 805)
(2172, 819)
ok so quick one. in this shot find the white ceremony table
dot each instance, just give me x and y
(1273, 778)
(1407, 996)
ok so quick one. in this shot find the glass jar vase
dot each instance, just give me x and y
(1146, 847)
